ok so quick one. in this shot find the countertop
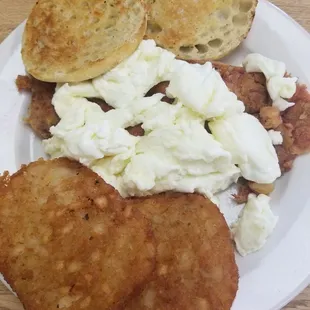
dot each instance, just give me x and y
(13, 12)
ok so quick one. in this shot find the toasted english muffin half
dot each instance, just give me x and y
(201, 29)
(76, 40)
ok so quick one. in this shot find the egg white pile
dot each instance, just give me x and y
(176, 152)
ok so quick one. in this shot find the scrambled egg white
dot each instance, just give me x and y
(250, 145)
(255, 225)
(201, 88)
(133, 78)
(279, 87)
(176, 152)
(182, 157)
(276, 137)
(84, 131)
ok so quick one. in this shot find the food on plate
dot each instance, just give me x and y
(131, 108)
(243, 191)
(202, 30)
(102, 104)
(24, 82)
(41, 114)
(71, 41)
(255, 95)
(196, 266)
(276, 137)
(265, 189)
(155, 123)
(160, 88)
(250, 89)
(144, 135)
(136, 130)
(69, 241)
(250, 145)
(298, 117)
(286, 158)
(255, 224)
(279, 86)
(247, 187)
(170, 155)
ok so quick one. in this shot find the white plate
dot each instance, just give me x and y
(270, 278)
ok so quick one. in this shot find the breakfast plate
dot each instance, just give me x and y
(270, 278)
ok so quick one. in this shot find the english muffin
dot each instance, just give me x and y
(200, 29)
(72, 41)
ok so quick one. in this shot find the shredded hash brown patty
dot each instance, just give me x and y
(69, 241)
(196, 266)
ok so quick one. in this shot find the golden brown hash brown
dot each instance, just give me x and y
(196, 266)
(69, 241)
